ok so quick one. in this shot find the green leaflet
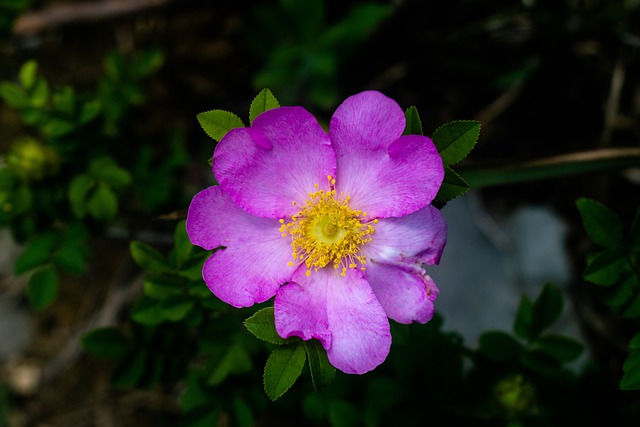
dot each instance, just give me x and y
(262, 102)
(283, 368)
(262, 325)
(456, 139)
(216, 123)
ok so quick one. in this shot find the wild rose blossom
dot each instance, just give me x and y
(336, 226)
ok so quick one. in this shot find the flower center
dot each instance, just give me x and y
(327, 231)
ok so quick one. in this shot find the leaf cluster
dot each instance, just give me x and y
(616, 268)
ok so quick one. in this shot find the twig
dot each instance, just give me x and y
(60, 14)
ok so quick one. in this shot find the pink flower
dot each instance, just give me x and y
(336, 226)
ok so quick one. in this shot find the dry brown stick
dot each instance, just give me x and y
(60, 14)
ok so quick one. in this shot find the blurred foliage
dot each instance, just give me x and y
(9, 10)
(67, 178)
(304, 54)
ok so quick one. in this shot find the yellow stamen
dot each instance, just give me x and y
(326, 230)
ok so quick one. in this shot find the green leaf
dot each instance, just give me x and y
(605, 268)
(262, 325)
(620, 293)
(182, 245)
(78, 192)
(344, 414)
(414, 125)
(547, 309)
(65, 101)
(107, 342)
(103, 204)
(89, 111)
(107, 170)
(27, 74)
(322, 372)
(71, 256)
(146, 63)
(452, 186)
(14, 95)
(236, 360)
(38, 252)
(176, 309)
(524, 318)
(632, 310)
(283, 368)
(262, 102)
(540, 362)
(562, 349)
(129, 370)
(148, 258)
(631, 378)
(40, 94)
(601, 224)
(243, 416)
(42, 288)
(58, 127)
(147, 312)
(162, 286)
(634, 344)
(455, 140)
(216, 123)
(499, 346)
(193, 395)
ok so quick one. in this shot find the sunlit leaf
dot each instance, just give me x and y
(216, 123)
(262, 102)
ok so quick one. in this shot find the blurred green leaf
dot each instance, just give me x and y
(632, 310)
(39, 93)
(344, 414)
(176, 308)
(38, 252)
(71, 256)
(182, 245)
(147, 312)
(14, 95)
(108, 342)
(562, 349)
(547, 309)
(283, 368)
(455, 140)
(146, 63)
(130, 370)
(89, 111)
(413, 125)
(322, 372)
(148, 258)
(162, 286)
(631, 369)
(27, 74)
(499, 346)
(359, 23)
(262, 102)
(193, 394)
(107, 170)
(539, 361)
(634, 234)
(78, 192)
(605, 268)
(58, 127)
(65, 101)
(103, 204)
(42, 288)
(262, 325)
(235, 360)
(216, 123)
(601, 224)
(620, 293)
(243, 416)
(524, 319)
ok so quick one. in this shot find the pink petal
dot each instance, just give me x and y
(341, 312)
(275, 162)
(419, 236)
(385, 174)
(253, 265)
(406, 294)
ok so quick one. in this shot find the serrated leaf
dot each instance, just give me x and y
(452, 186)
(264, 101)
(561, 348)
(148, 258)
(524, 318)
(107, 342)
(605, 268)
(283, 368)
(547, 309)
(498, 346)
(42, 288)
(262, 325)
(27, 74)
(601, 224)
(322, 372)
(455, 140)
(413, 125)
(216, 123)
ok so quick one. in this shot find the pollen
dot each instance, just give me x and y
(327, 232)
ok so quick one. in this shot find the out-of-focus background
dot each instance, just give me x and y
(99, 138)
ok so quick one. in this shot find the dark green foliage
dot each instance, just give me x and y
(617, 267)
